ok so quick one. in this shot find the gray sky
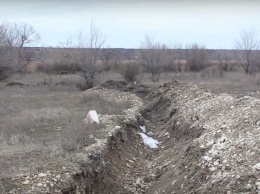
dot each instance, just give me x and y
(214, 23)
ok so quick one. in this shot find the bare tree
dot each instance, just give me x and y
(84, 52)
(8, 57)
(20, 35)
(17, 36)
(108, 58)
(247, 44)
(178, 56)
(152, 56)
(26, 35)
(88, 59)
(226, 62)
(3, 66)
(174, 56)
(196, 57)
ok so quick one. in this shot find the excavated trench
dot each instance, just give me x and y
(128, 166)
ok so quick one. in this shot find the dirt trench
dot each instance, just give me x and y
(129, 166)
(199, 150)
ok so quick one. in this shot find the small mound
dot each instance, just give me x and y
(136, 88)
(15, 84)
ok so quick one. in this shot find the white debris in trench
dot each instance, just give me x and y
(143, 128)
(152, 143)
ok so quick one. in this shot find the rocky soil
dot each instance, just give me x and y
(209, 143)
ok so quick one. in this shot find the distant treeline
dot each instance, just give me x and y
(35, 53)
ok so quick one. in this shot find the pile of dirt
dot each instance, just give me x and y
(15, 84)
(210, 143)
(123, 86)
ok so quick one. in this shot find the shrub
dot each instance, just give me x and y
(196, 57)
(130, 71)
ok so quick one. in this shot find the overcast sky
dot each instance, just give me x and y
(214, 23)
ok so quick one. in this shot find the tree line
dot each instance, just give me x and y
(82, 55)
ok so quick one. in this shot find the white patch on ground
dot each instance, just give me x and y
(92, 117)
(143, 128)
(152, 143)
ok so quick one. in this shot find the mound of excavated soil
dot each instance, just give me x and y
(210, 143)
(138, 89)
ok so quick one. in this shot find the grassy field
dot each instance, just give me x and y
(41, 122)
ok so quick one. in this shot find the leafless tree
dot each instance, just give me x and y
(152, 56)
(3, 67)
(108, 58)
(226, 62)
(174, 56)
(20, 35)
(178, 56)
(196, 56)
(85, 53)
(17, 36)
(8, 57)
(26, 35)
(247, 44)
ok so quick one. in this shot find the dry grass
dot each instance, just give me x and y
(237, 83)
(41, 123)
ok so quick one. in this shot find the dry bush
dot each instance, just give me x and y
(197, 58)
(8, 61)
(59, 67)
(130, 71)
(45, 67)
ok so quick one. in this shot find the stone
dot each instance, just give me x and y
(248, 186)
(58, 176)
(237, 177)
(26, 182)
(227, 167)
(215, 153)
(257, 166)
(39, 185)
(42, 175)
(209, 143)
(212, 169)
(207, 158)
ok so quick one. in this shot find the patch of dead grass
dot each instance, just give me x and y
(41, 123)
